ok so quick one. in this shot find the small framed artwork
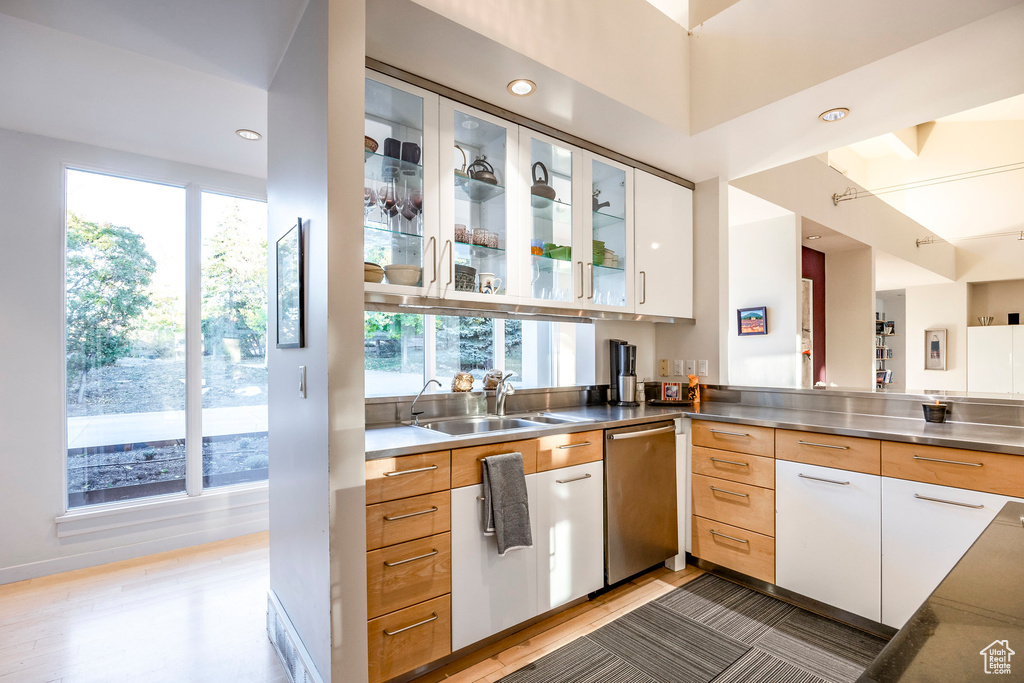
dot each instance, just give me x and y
(670, 391)
(750, 321)
(290, 290)
(935, 349)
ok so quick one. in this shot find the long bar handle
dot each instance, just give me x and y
(731, 493)
(451, 262)
(591, 267)
(569, 481)
(823, 445)
(643, 287)
(398, 473)
(432, 617)
(581, 280)
(574, 445)
(731, 538)
(948, 502)
(433, 242)
(411, 559)
(411, 514)
(731, 462)
(637, 435)
(719, 431)
(950, 462)
(830, 481)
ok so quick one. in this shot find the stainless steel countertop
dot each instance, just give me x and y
(386, 442)
(971, 436)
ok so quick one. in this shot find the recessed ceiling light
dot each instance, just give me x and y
(814, 237)
(247, 134)
(521, 87)
(470, 124)
(834, 114)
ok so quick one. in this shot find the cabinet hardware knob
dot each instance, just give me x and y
(948, 502)
(823, 445)
(432, 617)
(950, 462)
(731, 538)
(731, 493)
(411, 514)
(830, 481)
(411, 559)
(399, 473)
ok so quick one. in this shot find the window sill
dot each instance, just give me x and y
(158, 511)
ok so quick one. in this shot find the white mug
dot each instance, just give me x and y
(489, 284)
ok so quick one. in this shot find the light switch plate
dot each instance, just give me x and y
(702, 368)
(302, 381)
(663, 367)
(691, 367)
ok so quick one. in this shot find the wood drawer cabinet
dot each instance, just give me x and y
(466, 461)
(741, 505)
(402, 575)
(956, 467)
(734, 437)
(406, 476)
(747, 552)
(755, 470)
(566, 450)
(403, 520)
(403, 640)
(829, 450)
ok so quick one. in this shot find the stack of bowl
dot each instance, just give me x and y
(372, 272)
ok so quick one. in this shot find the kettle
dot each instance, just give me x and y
(481, 170)
(602, 205)
(461, 172)
(541, 188)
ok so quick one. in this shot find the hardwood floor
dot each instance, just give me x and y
(197, 614)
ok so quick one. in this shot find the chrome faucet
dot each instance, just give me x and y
(416, 415)
(501, 393)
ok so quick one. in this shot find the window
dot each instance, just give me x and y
(127, 340)
(404, 350)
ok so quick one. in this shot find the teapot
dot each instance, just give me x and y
(598, 207)
(461, 172)
(541, 188)
(482, 171)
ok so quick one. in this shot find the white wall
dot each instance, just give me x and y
(764, 270)
(706, 338)
(640, 334)
(850, 318)
(937, 307)
(32, 456)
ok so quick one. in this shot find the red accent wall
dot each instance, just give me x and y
(814, 270)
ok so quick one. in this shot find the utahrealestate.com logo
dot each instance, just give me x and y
(997, 657)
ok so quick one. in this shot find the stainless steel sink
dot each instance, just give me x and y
(552, 419)
(477, 425)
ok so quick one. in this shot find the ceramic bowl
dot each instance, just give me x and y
(403, 275)
(372, 273)
(369, 144)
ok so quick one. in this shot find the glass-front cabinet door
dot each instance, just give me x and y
(550, 172)
(478, 244)
(400, 210)
(607, 247)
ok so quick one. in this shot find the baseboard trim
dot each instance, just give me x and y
(295, 659)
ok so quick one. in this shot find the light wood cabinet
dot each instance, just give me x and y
(745, 551)
(410, 475)
(742, 505)
(739, 438)
(402, 575)
(827, 536)
(829, 450)
(403, 640)
(957, 467)
(742, 467)
(566, 450)
(466, 461)
(402, 520)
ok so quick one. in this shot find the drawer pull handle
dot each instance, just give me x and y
(638, 435)
(418, 469)
(575, 445)
(823, 445)
(948, 502)
(731, 462)
(411, 559)
(731, 538)
(830, 481)
(731, 493)
(411, 514)
(569, 481)
(950, 462)
(719, 431)
(432, 617)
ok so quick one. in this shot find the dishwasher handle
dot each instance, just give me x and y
(646, 432)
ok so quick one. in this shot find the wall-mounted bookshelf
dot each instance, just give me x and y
(884, 331)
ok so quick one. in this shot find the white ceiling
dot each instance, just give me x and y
(1010, 109)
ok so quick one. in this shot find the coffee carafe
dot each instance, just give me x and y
(622, 373)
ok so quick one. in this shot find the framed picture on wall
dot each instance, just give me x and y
(935, 349)
(750, 321)
(290, 294)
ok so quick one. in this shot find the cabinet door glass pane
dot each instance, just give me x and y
(393, 185)
(552, 273)
(609, 221)
(480, 223)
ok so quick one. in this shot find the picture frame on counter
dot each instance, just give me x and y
(670, 391)
(752, 321)
(290, 289)
(935, 349)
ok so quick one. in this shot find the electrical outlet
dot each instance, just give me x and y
(702, 368)
(677, 367)
(691, 367)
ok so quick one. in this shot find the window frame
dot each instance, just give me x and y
(194, 190)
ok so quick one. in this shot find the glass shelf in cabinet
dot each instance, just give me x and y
(547, 264)
(604, 220)
(380, 168)
(478, 251)
(385, 232)
(607, 270)
(476, 191)
(551, 209)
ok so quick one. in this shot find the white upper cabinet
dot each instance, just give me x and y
(663, 222)
(606, 241)
(480, 247)
(400, 216)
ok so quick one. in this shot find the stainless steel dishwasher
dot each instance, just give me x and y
(641, 524)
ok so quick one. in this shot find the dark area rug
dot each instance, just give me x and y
(707, 630)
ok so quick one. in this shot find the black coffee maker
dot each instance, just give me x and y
(622, 373)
